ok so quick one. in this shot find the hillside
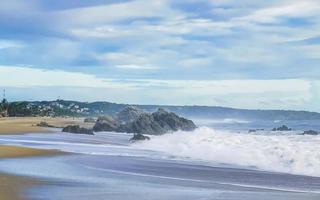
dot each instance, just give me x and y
(82, 109)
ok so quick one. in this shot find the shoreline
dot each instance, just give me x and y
(13, 186)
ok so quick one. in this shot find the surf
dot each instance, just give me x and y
(293, 154)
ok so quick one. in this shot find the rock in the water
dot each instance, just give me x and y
(255, 130)
(145, 124)
(77, 129)
(106, 123)
(158, 123)
(310, 132)
(129, 114)
(139, 136)
(282, 128)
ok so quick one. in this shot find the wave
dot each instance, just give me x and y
(221, 121)
(294, 154)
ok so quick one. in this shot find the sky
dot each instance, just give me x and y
(245, 54)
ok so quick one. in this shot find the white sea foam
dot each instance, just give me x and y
(220, 121)
(295, 154)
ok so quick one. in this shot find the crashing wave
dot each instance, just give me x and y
(295, 154)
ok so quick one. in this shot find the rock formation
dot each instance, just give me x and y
(129, 114)
(106, 123)
(157, 123)
(77, 129)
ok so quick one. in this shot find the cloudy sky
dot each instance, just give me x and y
(245, 54)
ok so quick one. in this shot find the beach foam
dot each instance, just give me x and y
(295, 154)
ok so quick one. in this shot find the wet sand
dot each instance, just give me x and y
(11, 187)
(19, 152)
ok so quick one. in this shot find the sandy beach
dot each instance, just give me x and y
(21, 125)
(11, 186)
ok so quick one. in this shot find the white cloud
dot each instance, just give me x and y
(11, 76)
(288, 93)
(272, 14)
(4, 44)
(119, 11)
(135, 67)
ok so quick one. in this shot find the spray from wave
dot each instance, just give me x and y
(295, 154)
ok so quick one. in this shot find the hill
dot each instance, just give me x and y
(83, 109)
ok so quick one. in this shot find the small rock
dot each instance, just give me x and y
(310, 132)
(139, 136)
(255, 130)
(282, 128)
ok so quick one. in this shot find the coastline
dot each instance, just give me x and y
(12, 186)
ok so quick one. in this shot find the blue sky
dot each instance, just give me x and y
(246, 54)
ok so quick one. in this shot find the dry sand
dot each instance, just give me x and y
(21, 125)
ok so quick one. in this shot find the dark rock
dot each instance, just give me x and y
(45, 124)
(310, 132)
(254, 130)
(158, 123)
(171, 121)
(137, 137)
(106, 123)
(129, 114)
(145, 124)
(89, 120)
(282, 128)
(77, 129)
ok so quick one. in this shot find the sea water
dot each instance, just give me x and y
(218, 160)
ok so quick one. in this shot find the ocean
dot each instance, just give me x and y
(219, 160)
